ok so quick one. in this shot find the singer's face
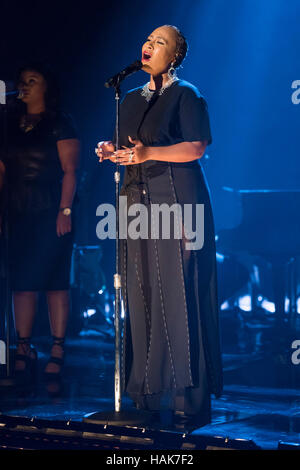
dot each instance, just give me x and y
(33, 87)
(159, 50)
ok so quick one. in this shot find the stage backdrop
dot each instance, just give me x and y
(243, 56)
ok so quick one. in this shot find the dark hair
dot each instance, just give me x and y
(181, 46)
(52, 94)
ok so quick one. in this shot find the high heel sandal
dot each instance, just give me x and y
(26, 375)
(55, 378)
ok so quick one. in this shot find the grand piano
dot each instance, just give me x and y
(268, 227)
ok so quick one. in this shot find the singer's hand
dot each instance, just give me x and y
(134, 155)
(105, 150)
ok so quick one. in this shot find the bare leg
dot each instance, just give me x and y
(59, 307)
(24, 312)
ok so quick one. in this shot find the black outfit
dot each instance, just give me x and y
(38, 258)
(171, 339)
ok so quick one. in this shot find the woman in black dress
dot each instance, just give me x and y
(172, 357)
(39, 166)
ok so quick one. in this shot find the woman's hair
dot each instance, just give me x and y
(181, 46)
(52, 94)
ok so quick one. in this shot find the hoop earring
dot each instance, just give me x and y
(172, 72)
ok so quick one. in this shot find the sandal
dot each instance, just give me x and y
(55, 376)
(26, 375)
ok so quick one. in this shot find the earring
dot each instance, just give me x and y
(172, 71)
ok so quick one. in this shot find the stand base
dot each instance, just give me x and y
(119, 418)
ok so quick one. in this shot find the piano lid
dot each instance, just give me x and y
(259, 191)
(269, 222)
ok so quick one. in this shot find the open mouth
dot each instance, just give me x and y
(146, 56)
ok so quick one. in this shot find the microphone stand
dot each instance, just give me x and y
(118, 417)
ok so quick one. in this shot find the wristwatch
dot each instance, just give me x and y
(65, 210)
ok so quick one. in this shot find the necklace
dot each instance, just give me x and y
(147, 93)
(28, 122)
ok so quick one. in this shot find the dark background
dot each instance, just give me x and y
(244, 56)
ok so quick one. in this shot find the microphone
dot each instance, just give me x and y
(7, 90)
(116, 79)
(18, 93)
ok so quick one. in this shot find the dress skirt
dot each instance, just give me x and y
(171, 337)
(38, 258)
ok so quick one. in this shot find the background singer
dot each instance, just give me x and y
(39, 169)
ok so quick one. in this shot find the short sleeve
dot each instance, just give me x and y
(194, 118)
(65, 128)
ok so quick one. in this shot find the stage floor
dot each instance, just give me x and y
(248, 409)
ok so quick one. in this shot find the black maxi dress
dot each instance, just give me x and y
(171, 348)
(38, 259)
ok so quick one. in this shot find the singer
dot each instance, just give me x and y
(39, 166)
(172, 357)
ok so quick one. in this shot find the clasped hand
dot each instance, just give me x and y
(126, 155)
